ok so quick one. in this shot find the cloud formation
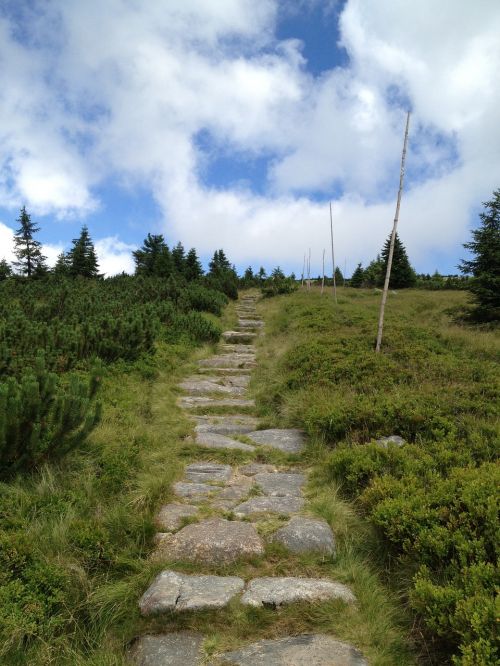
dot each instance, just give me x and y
(123, 89)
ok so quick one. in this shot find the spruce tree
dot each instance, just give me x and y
(193, 268)
(374, 274)
(82, 258)
(179, 259)
(357, 277)
(5, 270)
(485, 266)
(62, 265)
(28, 250)
(402, 274)
(153, 258)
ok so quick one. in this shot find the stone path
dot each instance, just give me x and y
(217, 515)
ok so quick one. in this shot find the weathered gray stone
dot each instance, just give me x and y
(395, 440)
(256, 468)
(179, 649)
(275, 592)
(280, 484)
(305, 650)
(251, 324)
(206, 386)
(205, 472)
(195, 401)
(213, 541)
(282, 505)
(224, 371)
(170, 516)
(195, 491)
(233, 494)
(172, 591)
(229, 361)
(238, 349)
(287, 440)
(226, 425)
(239, 336)
(306, 535)
(212, 440)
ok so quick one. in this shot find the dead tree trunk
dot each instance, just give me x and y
(393, 237)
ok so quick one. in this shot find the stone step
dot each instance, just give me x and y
(178, 649)
(195, 402)
(237, 424)
(276, 592)
(288, 440)
(196, 492)
(228, 361)
(170, 516)
(306, 535)
(206, 472)
(211, 440)
(174, 592)
(280, 484)
(225, 371)
(280, 505)
(207, 386)
(213, 541)
(308, 649)
(237, 349)
(239, 337)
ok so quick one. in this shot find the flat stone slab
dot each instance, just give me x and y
(224, 371)
(170, 516)
(172, 591)
(226, 425)
(306, 535)
(213, 541)
(275, 592)
(206, 386)
(204, 472)
(195, 491)
(305, 650)
(280, 484)
(287, 440)
(212, 440)
(395, 440)
(256, 468)
(232, 495)
(229, 361)
(194, 402)
(250, 323)
(237, 349)
(179, 649)
(282, 505)
(239, 336)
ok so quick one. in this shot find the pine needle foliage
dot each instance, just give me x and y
(28, 250)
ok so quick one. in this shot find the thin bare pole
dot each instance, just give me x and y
(323, 278)
(309, 270)
(393, 238)
(303, 270)
(345, 271)
(333, 255)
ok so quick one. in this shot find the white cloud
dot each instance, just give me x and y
(124, 89)
(114, 256)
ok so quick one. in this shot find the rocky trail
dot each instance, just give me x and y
(217, 516)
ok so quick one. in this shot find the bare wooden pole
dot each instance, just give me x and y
(323, 278)
(309, 270)
(393, 238)
(333, 255)
(303, 270)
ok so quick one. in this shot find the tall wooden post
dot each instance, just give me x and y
(309, 271)
(323, 278)
(303, 270)
(333, 255)
(393, 238)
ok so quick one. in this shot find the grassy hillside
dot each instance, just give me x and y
(432, 501)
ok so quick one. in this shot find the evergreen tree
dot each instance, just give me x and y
(402, 274)
(154, 257)
(179, 259)
(374, 273)
(27, 250)
(485, 266)
(82, 258)
(261, 275)
(357, 277)
(222, 275)
(194, 270)
(5, 270)
(219, 264)
(62, 265)
(248, 279)
(339, 278)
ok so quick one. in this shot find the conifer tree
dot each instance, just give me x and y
(357, 277)
(82, 258)
(339, 278)
(5, 270)
(62, 265)
(28, 250)
(179, 259)
(154, 257)
(261, 275)
(485, 266)
(374, 273)
(222, 275)
(193, 268)
(402, 274)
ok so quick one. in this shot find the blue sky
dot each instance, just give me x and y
(232, 123)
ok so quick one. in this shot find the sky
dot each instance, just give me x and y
(233, 123)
